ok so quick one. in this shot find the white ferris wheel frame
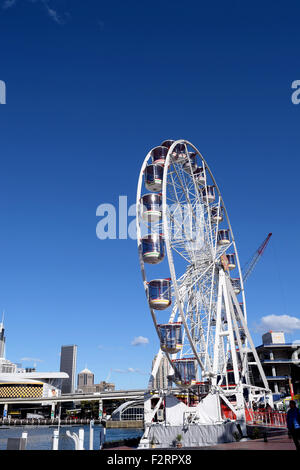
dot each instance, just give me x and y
(226, 297)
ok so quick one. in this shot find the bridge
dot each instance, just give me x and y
(55, 403)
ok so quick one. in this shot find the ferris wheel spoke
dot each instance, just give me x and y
(184, 190)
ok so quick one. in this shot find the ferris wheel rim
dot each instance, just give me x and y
(167, 244)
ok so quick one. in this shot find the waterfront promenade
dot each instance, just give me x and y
(279, 442)
(275, 443)
(40, 438)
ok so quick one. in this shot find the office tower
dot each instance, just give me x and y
(86, 381)
(68, 359)
(161, 380)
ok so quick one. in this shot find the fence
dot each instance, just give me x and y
(275, 419)
(269, 418)
(45, 421)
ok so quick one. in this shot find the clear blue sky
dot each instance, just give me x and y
(91, 87)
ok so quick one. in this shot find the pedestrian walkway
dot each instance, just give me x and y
(282, 442)
(274, 443)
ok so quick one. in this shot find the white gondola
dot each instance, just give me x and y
(167, 143)
(152, 246)
(216, 215)
(159, 154)
(191, 166)
(231, 261)
(151, 207)
(223, 237)
(208, 194)
(170, 335)
(185, 371)
(178, 154)
(159, 293)
(154, 177)
(236, 284)
(200, 176)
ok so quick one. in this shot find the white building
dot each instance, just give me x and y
(31, 384)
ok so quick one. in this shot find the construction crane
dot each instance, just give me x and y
(250, 265)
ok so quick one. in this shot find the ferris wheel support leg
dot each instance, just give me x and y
(240, 403)
(240, 316)
(240, 412)
(223, 296)
(217, 337)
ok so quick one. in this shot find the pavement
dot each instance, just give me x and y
(274, 443)
(282, 442)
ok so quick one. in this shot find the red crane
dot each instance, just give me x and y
(248, 268)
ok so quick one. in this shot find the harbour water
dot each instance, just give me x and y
(40, 437)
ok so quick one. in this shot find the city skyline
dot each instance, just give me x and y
(84, 105)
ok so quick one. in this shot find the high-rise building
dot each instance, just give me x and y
(68, 360)
(85, 381)
(161, 381)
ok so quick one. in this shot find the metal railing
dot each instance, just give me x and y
(269, 418)
(46, 421)
(274, 419)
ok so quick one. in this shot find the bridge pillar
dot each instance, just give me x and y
(91, 436)
(53, 410)
(55, 439)
(5, 410)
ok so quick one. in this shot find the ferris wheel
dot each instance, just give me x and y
(191, 271)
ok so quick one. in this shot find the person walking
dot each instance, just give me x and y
(293, 423)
